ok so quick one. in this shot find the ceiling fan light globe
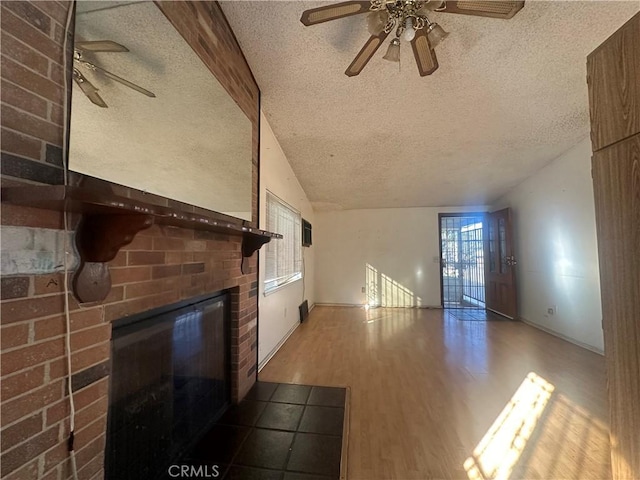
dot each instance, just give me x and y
(436, 34)
(393, 52)
(376, 22)
(409, 32)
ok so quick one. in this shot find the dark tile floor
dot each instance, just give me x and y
(278, 432)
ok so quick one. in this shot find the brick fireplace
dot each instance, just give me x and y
(161, 266)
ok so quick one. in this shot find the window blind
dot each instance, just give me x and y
(283, 261)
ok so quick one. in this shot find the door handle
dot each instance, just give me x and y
(511, 261)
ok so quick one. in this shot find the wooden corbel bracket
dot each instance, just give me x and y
(99, 238)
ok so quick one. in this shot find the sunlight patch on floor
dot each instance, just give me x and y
(501, 447)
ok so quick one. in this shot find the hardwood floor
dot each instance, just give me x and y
(436, 397)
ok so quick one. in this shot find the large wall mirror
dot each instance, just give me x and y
(148, 114)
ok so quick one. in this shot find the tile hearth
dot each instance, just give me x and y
(278, 432)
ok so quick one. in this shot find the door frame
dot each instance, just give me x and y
(481, 215)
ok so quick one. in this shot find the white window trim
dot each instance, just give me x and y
(297, 244)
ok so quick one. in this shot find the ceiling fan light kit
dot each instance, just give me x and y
(410, 21)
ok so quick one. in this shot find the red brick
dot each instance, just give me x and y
(28, 471)
(54, 9)
(37, 399)
(86, 318)
(49, 328)
(22, 145)
(162, 271)
(24, 100)
(168, 243)
(176, 232)
(29, 13)
(57, 412)
(151, 288)
(88, 471)
(14, 335)
(22, 382)
(31, 36)
(90, 336)
(116, 294)
(53, 474)
(56, 455)
(172, 258)
(28, 356)
(130, 275)
(14, 287)
(93, 449)
(29, 124)
(120, 260)
(91, 393)
(140, 242)
(116, 311)
(32, 82)
(56, 114)
(16, 457)
(56, 73)
(55, 326)
(86, 358)
(30, 217)
(145, 258)
(87, 415)
(24, 54)
(87, 433)
(26, 309)
(56, 369)
(21, 431)
(50, 283)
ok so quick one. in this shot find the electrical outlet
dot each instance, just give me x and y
(364, 290)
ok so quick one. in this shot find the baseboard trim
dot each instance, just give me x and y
(563, 337)
(277, 347)
(356, 305)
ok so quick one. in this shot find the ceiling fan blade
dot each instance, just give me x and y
(483, 8)
(424, 54)
(101, 46)
(333, 12)
(365, 54)
(121, 80)
(88, 89)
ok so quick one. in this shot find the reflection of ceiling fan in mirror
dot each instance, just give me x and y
(85, 85)
(411, 23)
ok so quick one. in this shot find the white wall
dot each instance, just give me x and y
(401, 244)
(279, 310)
(555, 232)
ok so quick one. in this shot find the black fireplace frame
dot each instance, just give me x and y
(138, 322)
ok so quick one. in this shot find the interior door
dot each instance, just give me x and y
(500, 271)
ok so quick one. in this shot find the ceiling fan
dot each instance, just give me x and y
(411, 23)
(85, 85)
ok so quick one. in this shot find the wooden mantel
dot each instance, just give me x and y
(109, 222)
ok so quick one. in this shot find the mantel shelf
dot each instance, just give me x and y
(110, 221)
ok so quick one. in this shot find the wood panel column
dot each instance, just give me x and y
(614, 104)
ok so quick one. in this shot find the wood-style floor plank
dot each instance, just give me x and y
(427, 391)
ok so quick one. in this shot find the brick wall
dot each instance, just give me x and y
(161, 266)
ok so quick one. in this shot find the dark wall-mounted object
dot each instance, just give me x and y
(306, 233)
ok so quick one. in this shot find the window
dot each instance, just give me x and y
(283, 263)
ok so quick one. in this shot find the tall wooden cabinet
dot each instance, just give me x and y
(613, 76)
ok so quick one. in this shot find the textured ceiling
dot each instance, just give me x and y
(509, 97)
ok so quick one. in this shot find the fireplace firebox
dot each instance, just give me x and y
(170, 381)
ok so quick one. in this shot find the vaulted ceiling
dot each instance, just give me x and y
(509, 97)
